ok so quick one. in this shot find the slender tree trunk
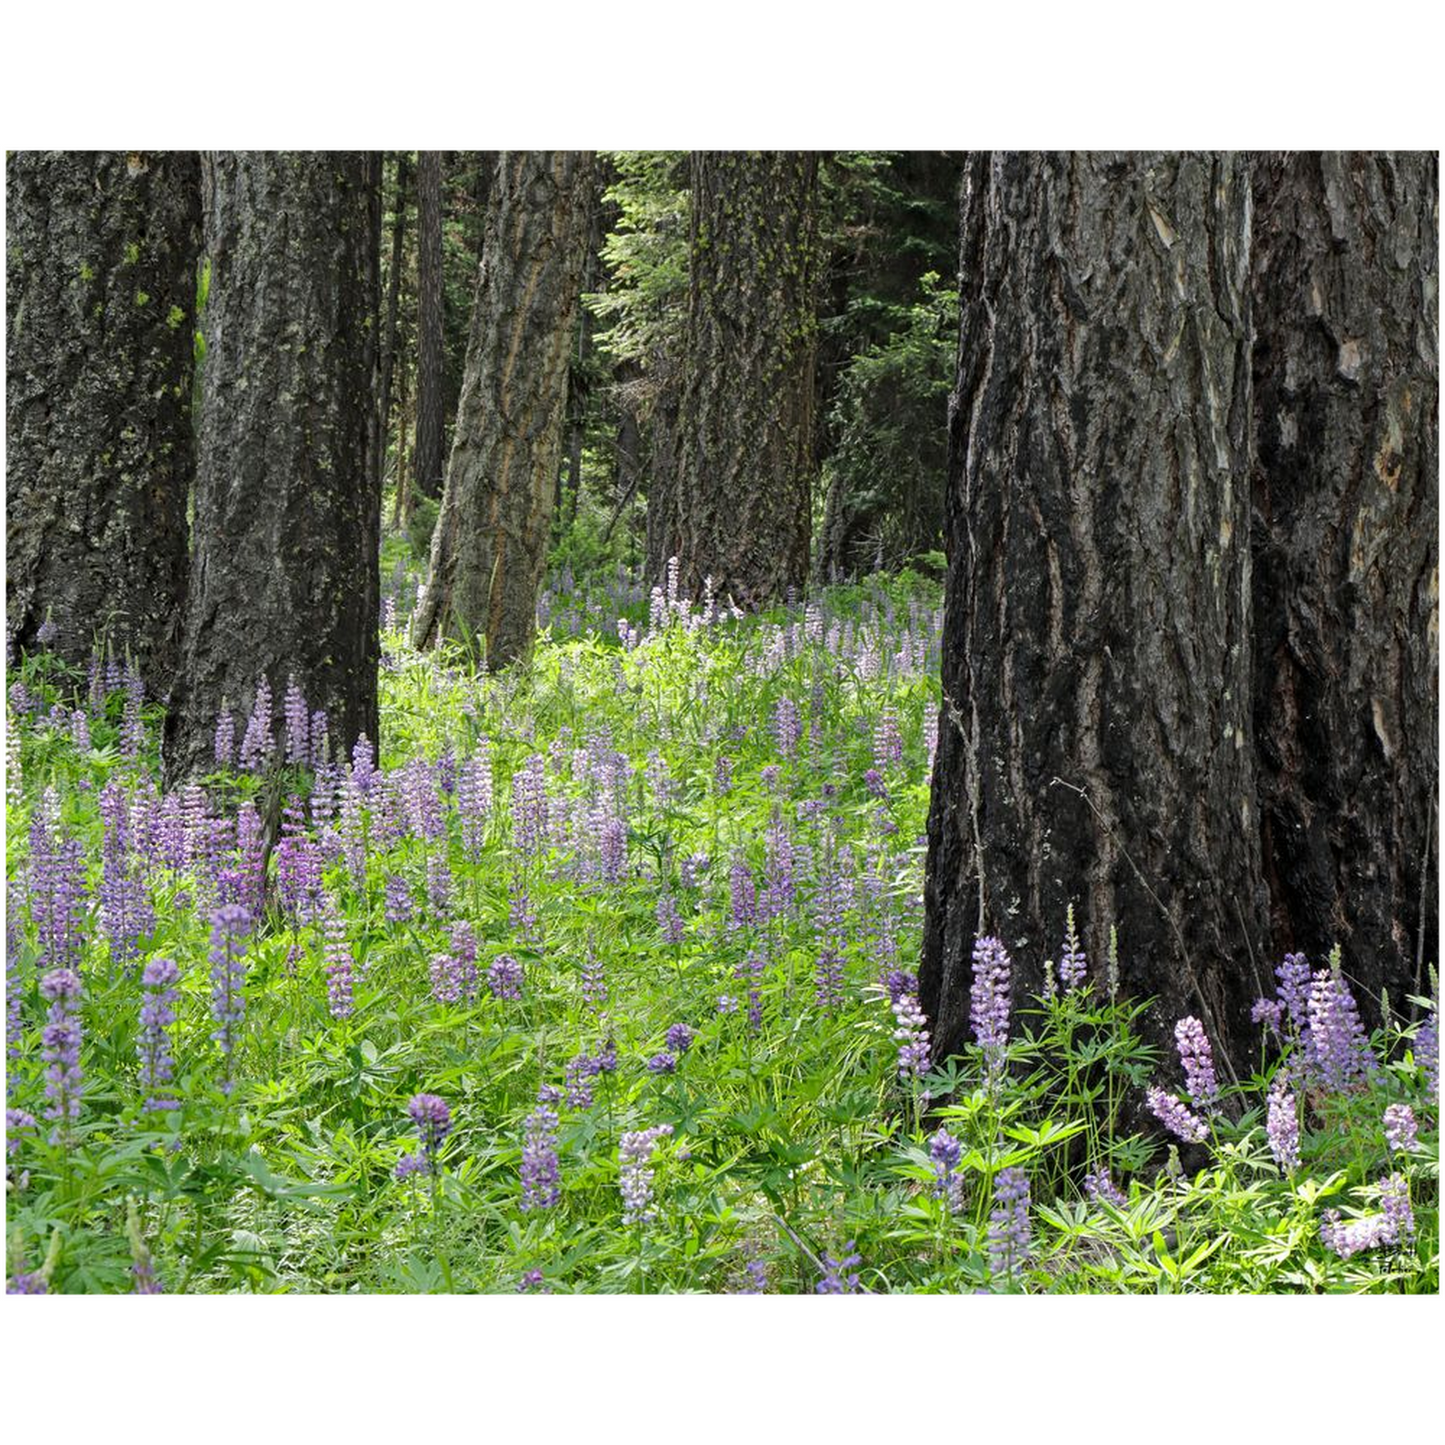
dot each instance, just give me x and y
(1095, 743)
(101, 293)
(490, 543)
(431, 322)
(1346, 381)
(745, 425)
(287, 506)
(393, 303)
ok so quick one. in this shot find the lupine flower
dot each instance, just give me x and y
(1270, 1013)
(635, 1181)
(873, 781)
(757, 1280)
(257, 744)
(398, 906)
(529, 806)
(669, 920)
(836, 1276)
(946, 1151)
(144, 1274)
(1099, 1186)
(298, 866)
(1197, 1059)
(1073, 966)
(298, 719)
(17, 1122)
(433, 1121)
(27, 1283)
(1009, 1231)
(594, 981)
(787, 726)
(912, 1039)
(899, 982)
(1282, 1127)
(410, 1164)
(1294, 989)
(541, 1173)
(679, 1038)
(531, 1280)
(743, 896)
(57, 886)
(157, 1014)
(663, 1063)
(578, 1075)
(1395, 1222)
(229, 926)
(1339, 1053)
(504, 978)
(132, 729)
(887, 742)
(61, 1039)
(474, 799)
(1426, 1049)
(989, 1004)
(1401, 1131)
(339, 965)
(1178, 1118)
(225, 741)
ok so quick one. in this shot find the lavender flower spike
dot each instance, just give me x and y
(1178, 1118)
(989, 1002)
(635, 1154)
(1401, 1130)
(1198, 1061)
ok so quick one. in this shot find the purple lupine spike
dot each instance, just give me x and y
(230, 924)
(504, 978)
(398, 905)
(340, 965)
(529, 807)
(887, 742)
(1426, 1049)
(433, 1120)
(1177, 1117)
(636, 1175)
(946, 1151)
(541, 1173)
(298, 724)
(1099, 1186)
(1009, 1231)
(679, 1038)
(743, 894)
(911, 1036)
(663, 1063)
(1294, 989)
(257, 743)
(1338, 1049)
(125, 908)
(320, 738)
(838, 1274)
(1197, 1059)
(787, 727)
(594, 981)
(1282, 1127)
(61, 1040)
(474, 799)
(298, 867)
(157, 1016)
(669, 920)
(990, 999)
(1401, 1130)
(1073, 966)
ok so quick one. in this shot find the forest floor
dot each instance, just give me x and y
(603, 982)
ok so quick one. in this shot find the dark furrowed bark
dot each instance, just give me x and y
(739, 506)
(490, 543)
(1346, 382)
(1095, 739)
(101, 293)
(287, 512)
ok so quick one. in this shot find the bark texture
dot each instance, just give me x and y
(100, 282)
(1095, 743)
(287, 510)
(1346, 381)
(740, 502)
(490, 542)
(431, 321)
(393, 306)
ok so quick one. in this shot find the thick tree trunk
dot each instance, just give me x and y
(1346, 382)
(431, 323)
(393, 305)
(101, 293)
(1095, 742)
(490, 543)
(287, 510)
(745, 424)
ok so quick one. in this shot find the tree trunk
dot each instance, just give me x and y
(431, 323)
(1095, 742)
(287, 508)
(393, 304)
(490, 543)
(1346, 380)
(745, 426)
(101, 294)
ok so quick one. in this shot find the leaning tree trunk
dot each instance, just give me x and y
(287, 513)
(100, 284)
(1346, 382)
(490, 543)
(745, 426)
(426, 456)
(1095, 739)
